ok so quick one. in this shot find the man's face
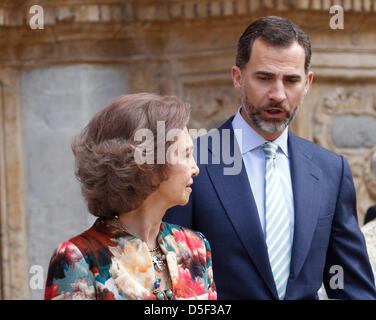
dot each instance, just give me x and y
(272, 85)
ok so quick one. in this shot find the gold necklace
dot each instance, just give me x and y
(155, 249)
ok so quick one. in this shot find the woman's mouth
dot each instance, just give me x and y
(188, 187)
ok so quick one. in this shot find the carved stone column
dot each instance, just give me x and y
(14, 275)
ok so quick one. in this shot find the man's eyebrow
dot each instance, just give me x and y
(270, 75)
(265, 73)
(293, 76)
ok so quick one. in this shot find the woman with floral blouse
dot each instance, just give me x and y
(134, 161)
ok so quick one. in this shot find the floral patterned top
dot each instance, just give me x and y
(106, 263)
(369, 232)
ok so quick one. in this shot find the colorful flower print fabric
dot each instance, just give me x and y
(105, 263)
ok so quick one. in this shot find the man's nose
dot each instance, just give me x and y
(277, 92)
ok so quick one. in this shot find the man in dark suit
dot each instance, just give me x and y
(285, 221)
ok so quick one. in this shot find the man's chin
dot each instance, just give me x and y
(272, 126)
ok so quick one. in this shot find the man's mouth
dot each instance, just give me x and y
(274, 112)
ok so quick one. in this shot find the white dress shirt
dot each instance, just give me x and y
(254, 160)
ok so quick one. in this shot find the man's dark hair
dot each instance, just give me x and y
(276, 31)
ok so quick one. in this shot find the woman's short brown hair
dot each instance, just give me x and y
(112, 181)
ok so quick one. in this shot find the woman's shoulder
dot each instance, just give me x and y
(182, 234)
(87, 245)
(98, 235)
(69, 250)
(171, 228)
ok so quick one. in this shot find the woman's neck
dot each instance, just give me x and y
(145, 221)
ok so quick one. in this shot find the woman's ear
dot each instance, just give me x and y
(155, 180)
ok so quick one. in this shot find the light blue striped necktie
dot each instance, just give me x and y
(277, 230)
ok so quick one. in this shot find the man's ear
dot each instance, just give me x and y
(308, 83)
(236, 77)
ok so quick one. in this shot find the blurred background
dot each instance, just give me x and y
(53, 80)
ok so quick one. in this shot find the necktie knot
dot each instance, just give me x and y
(270, 149)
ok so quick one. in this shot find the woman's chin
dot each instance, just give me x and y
(185, 200)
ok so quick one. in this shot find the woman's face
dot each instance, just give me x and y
(176, 189)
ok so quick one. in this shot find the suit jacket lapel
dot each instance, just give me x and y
(236, 196)
(307, 199)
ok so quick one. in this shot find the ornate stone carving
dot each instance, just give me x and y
(339, 102)
(354, 102)
(212, 102)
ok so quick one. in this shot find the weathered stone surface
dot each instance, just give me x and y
(354, 132)
(13, 251)
(57, 102)
(357, 100)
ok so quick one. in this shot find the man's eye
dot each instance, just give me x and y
(263, 78)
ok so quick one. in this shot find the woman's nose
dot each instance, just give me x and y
(196, 170)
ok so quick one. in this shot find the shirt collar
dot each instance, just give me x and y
(251, 139)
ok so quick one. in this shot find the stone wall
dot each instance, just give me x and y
(56, 103)
(52, 80)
